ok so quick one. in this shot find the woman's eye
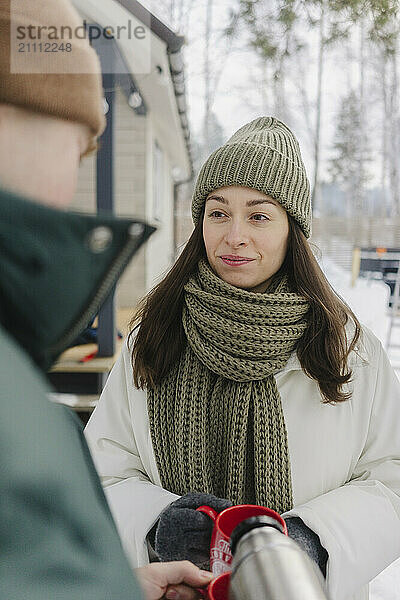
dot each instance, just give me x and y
(217, 214)
(260, 217)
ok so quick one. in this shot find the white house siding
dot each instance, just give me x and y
(183, 216)
(130, 190)
(129, 187)
(160, 247)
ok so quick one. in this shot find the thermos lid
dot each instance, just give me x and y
(252, 523)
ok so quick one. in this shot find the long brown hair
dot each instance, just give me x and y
(323, 349)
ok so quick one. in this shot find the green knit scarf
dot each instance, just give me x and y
(216, 419)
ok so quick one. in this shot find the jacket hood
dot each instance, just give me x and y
(57, 268)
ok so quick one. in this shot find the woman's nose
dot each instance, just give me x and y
(236, 235)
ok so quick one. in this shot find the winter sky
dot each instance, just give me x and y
(240, 95)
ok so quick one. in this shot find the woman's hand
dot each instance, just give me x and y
(184, 533)
(308, 540)
(172, 580)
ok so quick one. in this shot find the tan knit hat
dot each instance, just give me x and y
(68, 84)
(265, 155)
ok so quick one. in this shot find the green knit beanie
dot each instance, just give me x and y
(265, 155)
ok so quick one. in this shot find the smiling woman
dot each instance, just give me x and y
(246, 379)
(245, 235)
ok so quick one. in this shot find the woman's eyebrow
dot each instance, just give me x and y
(261, 201)
(254, 202)
(219, 198)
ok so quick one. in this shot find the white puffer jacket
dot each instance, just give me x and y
(345, 462)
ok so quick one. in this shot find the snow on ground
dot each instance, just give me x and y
(368, 298)
(369, 301)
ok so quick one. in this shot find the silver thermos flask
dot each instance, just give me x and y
(268, 565)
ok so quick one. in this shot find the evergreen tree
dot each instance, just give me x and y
(349, 164)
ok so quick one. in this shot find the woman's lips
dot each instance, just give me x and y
(235, 261)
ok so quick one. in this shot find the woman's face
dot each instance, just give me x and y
(245, 233)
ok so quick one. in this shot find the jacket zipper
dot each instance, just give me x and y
(110, 278)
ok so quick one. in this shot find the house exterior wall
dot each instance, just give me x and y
(159, 249)
(129, 187)
(144, 188)
(183, 216)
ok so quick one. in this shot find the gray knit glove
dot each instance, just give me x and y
(185, 534)
(308, 540)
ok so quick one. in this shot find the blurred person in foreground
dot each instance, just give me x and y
(57, 536)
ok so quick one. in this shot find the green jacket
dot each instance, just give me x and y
(57, 537)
